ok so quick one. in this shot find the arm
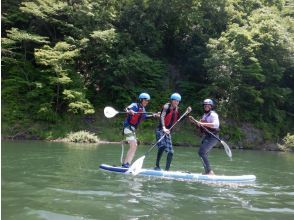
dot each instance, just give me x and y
(153, 115)
(192, 120)
(213, 121)
(207, 124)
(149, 116)
(162, 116)
(130, 109)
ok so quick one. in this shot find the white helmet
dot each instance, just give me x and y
(208, 102)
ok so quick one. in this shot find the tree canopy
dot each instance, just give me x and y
(71, 57)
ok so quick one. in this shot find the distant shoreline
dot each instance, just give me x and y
(272, 147)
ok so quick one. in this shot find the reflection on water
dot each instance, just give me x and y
(43, 180)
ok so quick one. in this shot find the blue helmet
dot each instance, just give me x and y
(208, 102)
(176, 96)
(144, 96)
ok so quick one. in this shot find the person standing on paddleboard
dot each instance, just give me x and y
(168, 116)
(136, 114)
(210, 121)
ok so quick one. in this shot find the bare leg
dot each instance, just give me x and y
(131, 152)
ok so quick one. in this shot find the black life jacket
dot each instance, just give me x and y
(204, 120)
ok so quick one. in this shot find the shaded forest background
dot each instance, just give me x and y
(64, 60)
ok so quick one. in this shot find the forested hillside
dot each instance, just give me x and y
(65, 59)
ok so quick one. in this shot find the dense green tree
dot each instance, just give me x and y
(64, 57)
(67, 84)
(247, 65)
(19, 74)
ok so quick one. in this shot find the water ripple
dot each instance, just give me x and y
(56, 216)
(273, 210)
(91, 192)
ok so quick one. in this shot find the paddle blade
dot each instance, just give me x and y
(135, 168)
(227, 149)
(110, 112)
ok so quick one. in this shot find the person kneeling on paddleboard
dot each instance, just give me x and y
(168, 116)
(136, 114)
(210, 121)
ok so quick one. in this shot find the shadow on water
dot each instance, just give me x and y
(43, 180)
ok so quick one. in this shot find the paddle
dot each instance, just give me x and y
(137, 165)
(110, 112)
(227, 148)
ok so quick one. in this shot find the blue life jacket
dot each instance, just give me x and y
(135, 120)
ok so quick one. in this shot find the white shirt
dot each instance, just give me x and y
(211, 117)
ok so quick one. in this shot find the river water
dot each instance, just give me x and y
(42, 180)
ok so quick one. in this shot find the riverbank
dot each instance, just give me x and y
(110, 131)
(264, 147)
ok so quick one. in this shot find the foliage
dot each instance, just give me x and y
(288, 143)
(66, 58)
(133, 74)
(247, 66)
(81, 137)
(61, 76)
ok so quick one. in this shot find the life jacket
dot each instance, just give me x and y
(171, 116)
(134, 120)
(204, 120)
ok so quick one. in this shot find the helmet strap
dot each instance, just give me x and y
(210, 109)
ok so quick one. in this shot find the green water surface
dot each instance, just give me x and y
(42, 180)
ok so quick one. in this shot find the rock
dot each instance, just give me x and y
(270, 146)
(253, 137)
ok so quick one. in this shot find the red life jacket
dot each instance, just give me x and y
(171, 116)
(135, 119)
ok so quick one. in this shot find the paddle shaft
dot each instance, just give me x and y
(208, 131)
(135, 112)
(186, 112)
(226, 147)
(150, 149)
(137, 165)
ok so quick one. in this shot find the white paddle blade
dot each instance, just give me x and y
(110, 112)
(135, 168)
(227, 149)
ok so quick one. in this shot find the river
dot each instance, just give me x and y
(44, 180)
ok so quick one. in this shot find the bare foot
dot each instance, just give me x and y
(211, 173)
